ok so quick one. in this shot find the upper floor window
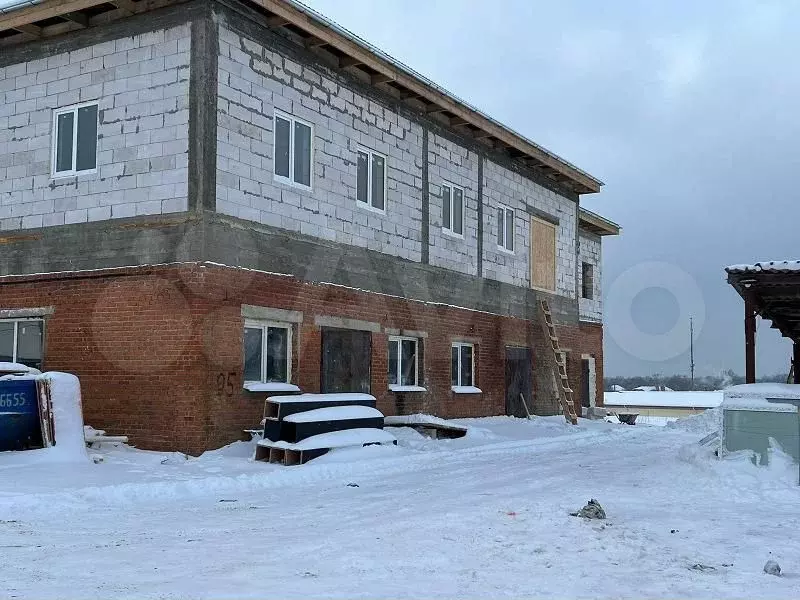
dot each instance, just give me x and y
(267, 352)
(371, 179)
(403, 361)
(75, 140)
(587, 281)
(453, 209)
(22, 341)
(293, 150)
(505, 228)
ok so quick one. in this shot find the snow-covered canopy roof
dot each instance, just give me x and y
(773, 288)
(769, 266)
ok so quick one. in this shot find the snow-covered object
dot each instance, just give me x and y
(65, 393)
(323, 398)
(466, 389)
(705, 422)
(420, 419)
(768, 266)
(335, 439)
(335, 413)
(665, 399)
(270, 387)
(772, 568)
(617, 388)
(652, 388)
(762, 397)
(12, 367)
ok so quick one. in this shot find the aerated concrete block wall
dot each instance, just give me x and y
(254, 81)
(141, 84)
(590, 252)
(505, 187)
(449, 163)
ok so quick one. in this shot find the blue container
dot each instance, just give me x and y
(20, 427)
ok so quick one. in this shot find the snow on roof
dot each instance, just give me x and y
(663, 399)
(769, 266)
(335, 413)
(759, 396)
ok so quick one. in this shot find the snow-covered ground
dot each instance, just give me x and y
(481, 516)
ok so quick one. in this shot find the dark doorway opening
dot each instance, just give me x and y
(519, 381)
(346, 357)
(585, 377)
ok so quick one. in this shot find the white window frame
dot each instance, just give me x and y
(54, 150)
(504, 247)
(264, 326)
(400, 339)
(290, 179)
(368, 205)
(14, 349)
(447, 228)
(459, 345)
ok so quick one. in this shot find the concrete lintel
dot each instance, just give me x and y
(22, 313)
(465, 340)
(540, 214)
(412, 333)
(344, 323)
(266, 313)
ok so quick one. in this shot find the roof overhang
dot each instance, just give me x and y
(33, 19)
(774, 289)
(594, 223)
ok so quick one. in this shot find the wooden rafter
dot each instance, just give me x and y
(127, 6)
(32, 30)
(361, 55)
(46, 10)
(349, 61)
(277, 21)
(76, 17)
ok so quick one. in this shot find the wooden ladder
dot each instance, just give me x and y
(565, 393)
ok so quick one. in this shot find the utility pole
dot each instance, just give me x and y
(691, 351)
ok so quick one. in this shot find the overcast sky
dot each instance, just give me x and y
(688, 111)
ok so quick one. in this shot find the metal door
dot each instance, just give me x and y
(345, 361)
(519, 380)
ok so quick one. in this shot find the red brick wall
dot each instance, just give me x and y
(159, 350)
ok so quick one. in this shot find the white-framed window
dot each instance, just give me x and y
(294, 150)
(462, 364)
(22, 341)
(403, 361)
(453, 209)
(267, 352)
(75, 139)
(505, 228)
(371, 180)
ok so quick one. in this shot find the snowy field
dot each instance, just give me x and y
(481, 517)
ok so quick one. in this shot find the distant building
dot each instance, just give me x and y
(203, 202)
(652, 403)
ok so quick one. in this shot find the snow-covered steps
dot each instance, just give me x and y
(433, 427)
(301, 425)
(301, 452)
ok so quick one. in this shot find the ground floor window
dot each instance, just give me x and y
(403, 361)
(22, 341)
(462, 366)
(267, 352)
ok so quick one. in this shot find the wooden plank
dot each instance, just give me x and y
(349, 61)
(543, 255)
(364, 56)
(277, 21)
(46, 10)
(32, 30)
(380, 78)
